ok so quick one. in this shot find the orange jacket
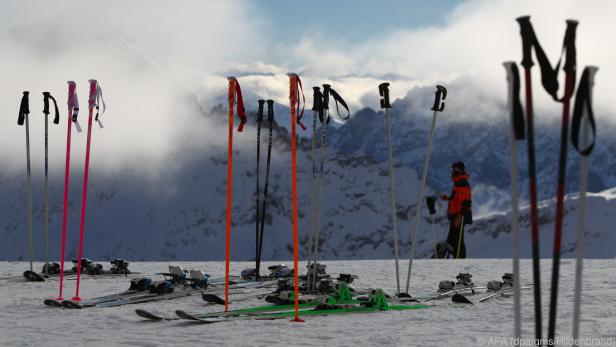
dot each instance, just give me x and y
(460, 200)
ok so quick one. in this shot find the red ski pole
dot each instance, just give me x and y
(295, 87)
(234, 92)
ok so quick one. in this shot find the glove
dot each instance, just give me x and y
(445, 197)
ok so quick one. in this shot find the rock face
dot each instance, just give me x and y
(141, 212)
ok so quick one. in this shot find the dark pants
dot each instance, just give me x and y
(453, 238)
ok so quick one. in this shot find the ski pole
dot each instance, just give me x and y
(73, 113)
(56, 120)
(234, 96)
(270, 120)
(258, 196)
(94, 98)
(324, 122)
(295, 88)
(317, 108)
(570, 69)
(460, 235)
(527, 33)
(582, 113)
(439, 106)
(384, 93)
(24, 112)
(327, 92)
(430, 203)
(517, 133)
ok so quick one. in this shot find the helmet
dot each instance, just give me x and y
(458, 167)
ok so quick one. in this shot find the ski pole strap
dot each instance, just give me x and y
(384, 93)
(96, 96)
(583, 107)
(549, 76)
(431, 202)
(24, 108)
(327, 91)
(517, 114)
(235, 97)
(46, 97)
(270, 111)
(295, 90)
(260, 111)
(439, 96)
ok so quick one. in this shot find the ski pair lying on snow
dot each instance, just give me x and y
(376, 302)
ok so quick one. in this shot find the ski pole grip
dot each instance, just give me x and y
(439, 96)
(569, 44)
(260, 111)
(270, 110)
(526, 31)
(73, 102)
(24, 108)
(384, 93)
(317, 99)
(326, 92)
(92, 96)
(46, 103)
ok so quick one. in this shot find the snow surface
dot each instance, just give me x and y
(26, 321)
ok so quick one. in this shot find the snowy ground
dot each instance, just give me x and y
(26, 321)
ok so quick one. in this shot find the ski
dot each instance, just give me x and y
(377, 303)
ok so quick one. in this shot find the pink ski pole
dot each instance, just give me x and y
(95, 95)
(73, 112)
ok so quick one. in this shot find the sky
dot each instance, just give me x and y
(351, 20)
(149, 54)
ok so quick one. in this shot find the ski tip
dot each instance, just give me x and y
(71, 304)
(147, 315)
(460, 299)
(33, 276)
(52, 303)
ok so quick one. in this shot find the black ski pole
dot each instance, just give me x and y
(439, 105)
(56, 120)
(430, 204)
(528, 37)
(258, 192)
(570, 69)
(24, 112)
(317, 108)
(270, 120)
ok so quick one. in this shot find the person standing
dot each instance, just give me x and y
(459, 210)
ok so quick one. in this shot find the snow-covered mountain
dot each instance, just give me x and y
(178, 211)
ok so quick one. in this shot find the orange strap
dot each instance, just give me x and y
(295, 85)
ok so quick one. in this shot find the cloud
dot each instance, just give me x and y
(149, 56)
